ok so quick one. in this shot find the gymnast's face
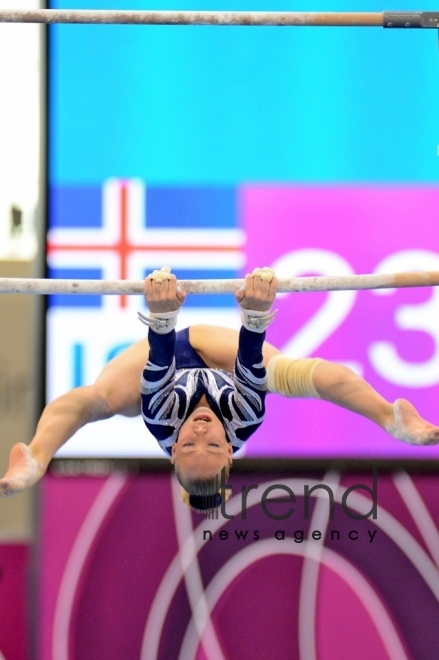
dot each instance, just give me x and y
(202, 449)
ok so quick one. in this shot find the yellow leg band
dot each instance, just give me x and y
(292, 378)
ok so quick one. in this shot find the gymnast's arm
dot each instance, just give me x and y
(249, 374)
(158, 396)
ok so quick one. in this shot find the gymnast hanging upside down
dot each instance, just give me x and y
(198, 411)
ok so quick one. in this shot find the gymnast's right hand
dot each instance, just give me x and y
(259, 290)
(162, 293)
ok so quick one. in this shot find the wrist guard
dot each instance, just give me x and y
(160, 322)
(256, 321)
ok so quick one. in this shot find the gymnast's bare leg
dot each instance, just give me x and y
(116, 391)
(340, 385)
(329, 381)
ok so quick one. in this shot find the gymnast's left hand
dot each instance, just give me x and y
(162, 293)
(258, 293)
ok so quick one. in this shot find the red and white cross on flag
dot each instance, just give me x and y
(124, 247)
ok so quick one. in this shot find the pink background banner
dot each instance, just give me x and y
(391, 338)
(127, 571)
(14, 621)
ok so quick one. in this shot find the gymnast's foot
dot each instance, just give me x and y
(407, 425)
(23, 471)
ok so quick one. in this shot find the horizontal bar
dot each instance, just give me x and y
(153, 17)
(294, 284)
(388, 19)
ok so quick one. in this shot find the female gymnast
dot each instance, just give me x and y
(199, 412)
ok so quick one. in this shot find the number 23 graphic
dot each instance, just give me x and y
(383, 355)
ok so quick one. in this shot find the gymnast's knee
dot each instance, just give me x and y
(292, 378)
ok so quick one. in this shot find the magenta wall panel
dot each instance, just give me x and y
(127, 571)
(13, 601)
(390, 337)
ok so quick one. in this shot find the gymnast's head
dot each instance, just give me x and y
(199, 454)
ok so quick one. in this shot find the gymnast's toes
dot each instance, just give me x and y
(6, 489)
(410, 427)
(432, 437)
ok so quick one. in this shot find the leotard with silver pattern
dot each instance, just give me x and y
(169, 395)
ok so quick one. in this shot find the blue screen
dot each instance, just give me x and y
(155, 131)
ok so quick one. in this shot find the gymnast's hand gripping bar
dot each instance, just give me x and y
(386, 19)
(294, 284)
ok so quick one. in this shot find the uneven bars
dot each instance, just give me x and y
(294, 284)
(387, 19)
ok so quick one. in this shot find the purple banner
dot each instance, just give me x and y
(14, 595)
(390, 337)
(128, 572)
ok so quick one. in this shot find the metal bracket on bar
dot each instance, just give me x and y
(411, 19)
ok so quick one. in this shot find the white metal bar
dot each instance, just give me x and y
(297, 284)
(155, 17)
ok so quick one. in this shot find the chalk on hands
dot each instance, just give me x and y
(264, 273)
(161, 275)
